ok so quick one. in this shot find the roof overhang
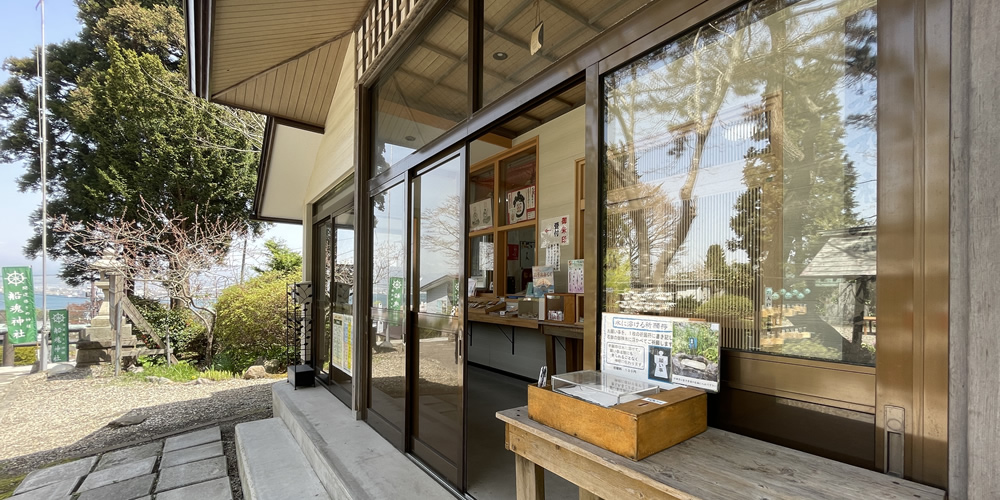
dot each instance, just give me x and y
(286, 161)
(282, 59)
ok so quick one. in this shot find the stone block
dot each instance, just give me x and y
(217, 489)
(122, 490)
(61, 489)
(191, 473)
(118, 473)
(192, 439)
(192, 454)
(113, 458)
(43, 477)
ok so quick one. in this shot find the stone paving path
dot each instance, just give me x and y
(190, 466)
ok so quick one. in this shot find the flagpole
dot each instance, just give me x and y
(44, 337)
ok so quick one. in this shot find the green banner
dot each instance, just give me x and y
(19, 297)
(395, 301)
(395, 294)
(59, 328)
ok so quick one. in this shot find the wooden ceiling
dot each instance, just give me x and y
(280, 58)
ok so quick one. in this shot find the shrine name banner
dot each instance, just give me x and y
(661, 350)
(19, 297)
(59, 335)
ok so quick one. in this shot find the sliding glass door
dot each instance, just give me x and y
(436, 305)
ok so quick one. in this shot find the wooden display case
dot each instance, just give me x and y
(503, 211)
(560, 308)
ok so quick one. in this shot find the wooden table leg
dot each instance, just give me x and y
(574, 355)
(586, 495)
(530, 479)
(550, 354)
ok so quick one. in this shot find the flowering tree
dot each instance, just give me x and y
(176, 251)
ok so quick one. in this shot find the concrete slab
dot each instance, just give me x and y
(42, 477)
(342, 450)
(61, 489)
(192, 454)
(217, 489)
(123, 490)
(192, 439)
(118, 473)
(119, 457)
(271, 463)
(191, 473)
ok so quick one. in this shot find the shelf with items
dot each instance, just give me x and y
(503, 196)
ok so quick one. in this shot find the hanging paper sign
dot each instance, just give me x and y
(552, 257)
(19, 297)
(481, 215)
(521, 204)
(512, 251)
(575, 275)
(59, 334)
(486, 257)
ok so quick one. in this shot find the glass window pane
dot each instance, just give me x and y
(741, 187)
(426, 93)
(517, 185)
(519, 267)
(342, 343)
(437, 301)
(481, 206)
(482, 261)
(507, 60)
(388, 272)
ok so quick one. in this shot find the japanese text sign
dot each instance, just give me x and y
(59, 333)
(19, 297)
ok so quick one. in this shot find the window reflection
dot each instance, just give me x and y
(740, 167)
(427, 91)
(388, 350)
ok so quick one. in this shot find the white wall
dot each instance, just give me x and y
(560, 144)
(336, 151)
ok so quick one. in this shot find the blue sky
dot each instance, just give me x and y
(20, 33)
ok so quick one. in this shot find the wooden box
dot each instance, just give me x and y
(560, 308)
(635, 430)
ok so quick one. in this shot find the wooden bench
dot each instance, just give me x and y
(713, 465)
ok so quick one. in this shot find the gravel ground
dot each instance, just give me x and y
(54, 418)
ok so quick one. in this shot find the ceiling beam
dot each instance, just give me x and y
(580, 18)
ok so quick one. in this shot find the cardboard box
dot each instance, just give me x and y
(635, 430)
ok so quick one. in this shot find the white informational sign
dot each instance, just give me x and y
(661, 350)
(342, 342)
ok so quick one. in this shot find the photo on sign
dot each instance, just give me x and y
(658, 363)
(695, 353)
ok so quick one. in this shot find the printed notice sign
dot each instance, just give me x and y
(661, 350)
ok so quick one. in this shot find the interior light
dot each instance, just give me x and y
(410, 138)
(499, 56)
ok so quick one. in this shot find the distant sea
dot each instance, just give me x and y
(54, 301)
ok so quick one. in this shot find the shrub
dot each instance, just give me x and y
(186, 334)
(725, 307)
(251, 321)
(23, 356)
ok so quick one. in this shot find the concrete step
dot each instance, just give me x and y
(271, 464)
(350, 458)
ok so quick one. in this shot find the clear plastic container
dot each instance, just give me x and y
(601, 388)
